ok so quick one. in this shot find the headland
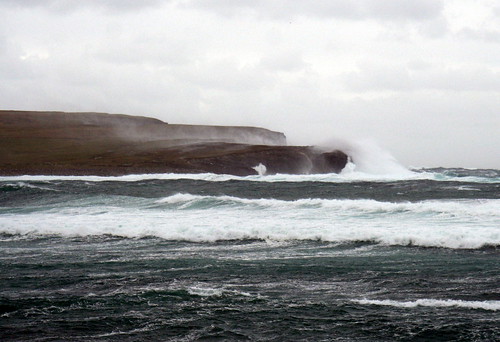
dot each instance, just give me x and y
(60, 143)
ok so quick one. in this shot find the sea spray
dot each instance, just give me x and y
(367, 156)
(261, 169)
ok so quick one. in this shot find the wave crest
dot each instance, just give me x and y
(492, 305)
(349, 175)
(198, 218)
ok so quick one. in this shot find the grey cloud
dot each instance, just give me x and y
(288, 61)
(404, 9)
(223, 75)
(184, 64)
(71, 5)
(378, 78)
(95, 87)
(321, 8)
(421, 129)
(436, 28)
(400, 78)
(355, 9)
(464, 79)
(418, 65)
(147, 51)
(12, 67)
(480, 35)
(3, 44)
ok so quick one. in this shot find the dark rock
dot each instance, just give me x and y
(329, 162)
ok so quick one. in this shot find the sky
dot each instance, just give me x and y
(419, 78)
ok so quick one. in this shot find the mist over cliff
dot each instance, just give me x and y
(107, 144)
(133, 128)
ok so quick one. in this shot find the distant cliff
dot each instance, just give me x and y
(134, 128)
(112, 144)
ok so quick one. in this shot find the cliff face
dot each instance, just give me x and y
(132, 128)
(104, 144)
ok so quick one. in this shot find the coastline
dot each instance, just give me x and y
(57, 143)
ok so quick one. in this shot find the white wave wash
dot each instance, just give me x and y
(368, 158)
(261, 169)
(492, 305)
(349, 175)
(450, 224)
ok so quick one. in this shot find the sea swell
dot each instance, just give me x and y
(449, 208)
(347, 176)
(491, 305)
(198, 218)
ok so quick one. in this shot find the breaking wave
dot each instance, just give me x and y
(347, 176)
(492, 305)
(198, 218)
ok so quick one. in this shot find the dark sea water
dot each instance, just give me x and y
(352, 257)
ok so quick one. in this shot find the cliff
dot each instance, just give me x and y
(92, 126)
(112, 144)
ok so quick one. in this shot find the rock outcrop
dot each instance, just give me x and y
(111, 144)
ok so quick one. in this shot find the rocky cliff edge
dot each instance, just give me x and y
(114, 144)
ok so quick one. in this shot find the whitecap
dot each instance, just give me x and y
(198, 218)
(348, 176)
(492, 305)
(205, 291)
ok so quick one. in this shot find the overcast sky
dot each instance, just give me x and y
(419, 77)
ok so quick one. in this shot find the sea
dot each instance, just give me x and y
(354, 256)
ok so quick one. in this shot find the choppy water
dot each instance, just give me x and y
(350, 257)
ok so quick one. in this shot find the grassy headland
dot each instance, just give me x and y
(58, 143)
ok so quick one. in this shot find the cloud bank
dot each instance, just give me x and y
(419, 77)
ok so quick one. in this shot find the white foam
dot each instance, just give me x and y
(368, 157)
(205, 291)
(351, 174)
(432, 207)
(21, 184)
(450, 224)
(492, 305)
(261, 169)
